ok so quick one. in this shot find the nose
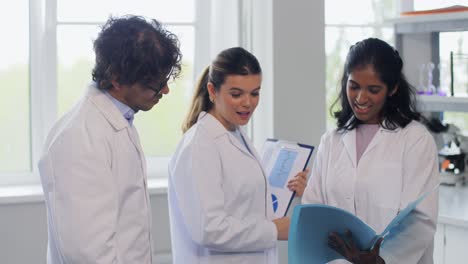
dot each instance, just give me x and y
(361, 96)
(165, 90)
(247, 101)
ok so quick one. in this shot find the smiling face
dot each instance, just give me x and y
(236, 99)
(366, 94)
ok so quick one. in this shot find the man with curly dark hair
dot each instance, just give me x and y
(93, 169)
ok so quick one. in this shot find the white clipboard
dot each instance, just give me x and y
(282, 160)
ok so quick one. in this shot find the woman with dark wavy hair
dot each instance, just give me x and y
(379, 159)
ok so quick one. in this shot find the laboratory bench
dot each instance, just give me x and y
(451, 239)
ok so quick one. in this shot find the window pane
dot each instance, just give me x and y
(15, 153)
(75, 62)
(358, 11)
(337, 43)
(456, 42)
(160, 128)
(162, 10)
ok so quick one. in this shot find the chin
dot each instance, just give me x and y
(243, 123)
(147, 107)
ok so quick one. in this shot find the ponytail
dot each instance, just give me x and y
(200, 101)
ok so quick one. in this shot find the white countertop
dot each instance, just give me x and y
(453, 205)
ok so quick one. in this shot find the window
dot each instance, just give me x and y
(343, 28)
(15, 136)
(46, 66)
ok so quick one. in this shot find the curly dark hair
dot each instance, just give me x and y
(400, 108)
(131, 49)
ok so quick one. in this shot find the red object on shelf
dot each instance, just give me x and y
(450, 9)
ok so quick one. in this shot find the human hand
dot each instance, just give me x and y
(348, 249)
(282, 225)
(299, 183)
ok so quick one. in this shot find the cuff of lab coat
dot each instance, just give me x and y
(271, 229)
(387, 257)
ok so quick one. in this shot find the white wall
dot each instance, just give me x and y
(289, 40)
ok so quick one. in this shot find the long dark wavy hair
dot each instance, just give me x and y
(400, 108)
(233, 61)
(130, 49)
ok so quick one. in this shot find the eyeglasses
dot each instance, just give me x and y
(157, 89)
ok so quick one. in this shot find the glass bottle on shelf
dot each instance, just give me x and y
(421, 87)
(430, 89)
(442, 90)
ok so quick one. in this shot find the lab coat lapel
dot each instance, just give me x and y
(133, 134)
(253, 150)
(107, 108)
(378, 138)
(239, 145)
(374, 141)
(349, 141)
(116, 119)
(218, 130)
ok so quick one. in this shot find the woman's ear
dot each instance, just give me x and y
(211, 91)
(394, 90)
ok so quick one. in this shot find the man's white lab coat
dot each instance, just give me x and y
(93, 173)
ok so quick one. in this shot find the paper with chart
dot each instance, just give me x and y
(282, 160)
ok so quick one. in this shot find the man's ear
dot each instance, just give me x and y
(115, 84)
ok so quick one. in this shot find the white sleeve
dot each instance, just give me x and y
(313, 192)
(82, 199)
(420, 174)
(198, 183)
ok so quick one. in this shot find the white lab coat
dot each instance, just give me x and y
(93, 174)
(219, 202)
(396, 168)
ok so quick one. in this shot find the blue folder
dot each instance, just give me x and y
(312, 223)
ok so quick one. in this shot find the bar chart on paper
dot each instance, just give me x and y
(282, 168)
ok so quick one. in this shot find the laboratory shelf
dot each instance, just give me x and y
(435, 103)
(454, 21)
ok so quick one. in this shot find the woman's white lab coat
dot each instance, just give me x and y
(219, 202)
(93, 174)
(396, 168)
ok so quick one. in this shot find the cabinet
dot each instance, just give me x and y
(439, 244)
(417, 40)
(450, 244)
(451, 238)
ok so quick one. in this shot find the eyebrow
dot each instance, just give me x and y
(370, 86)
(241, 90)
